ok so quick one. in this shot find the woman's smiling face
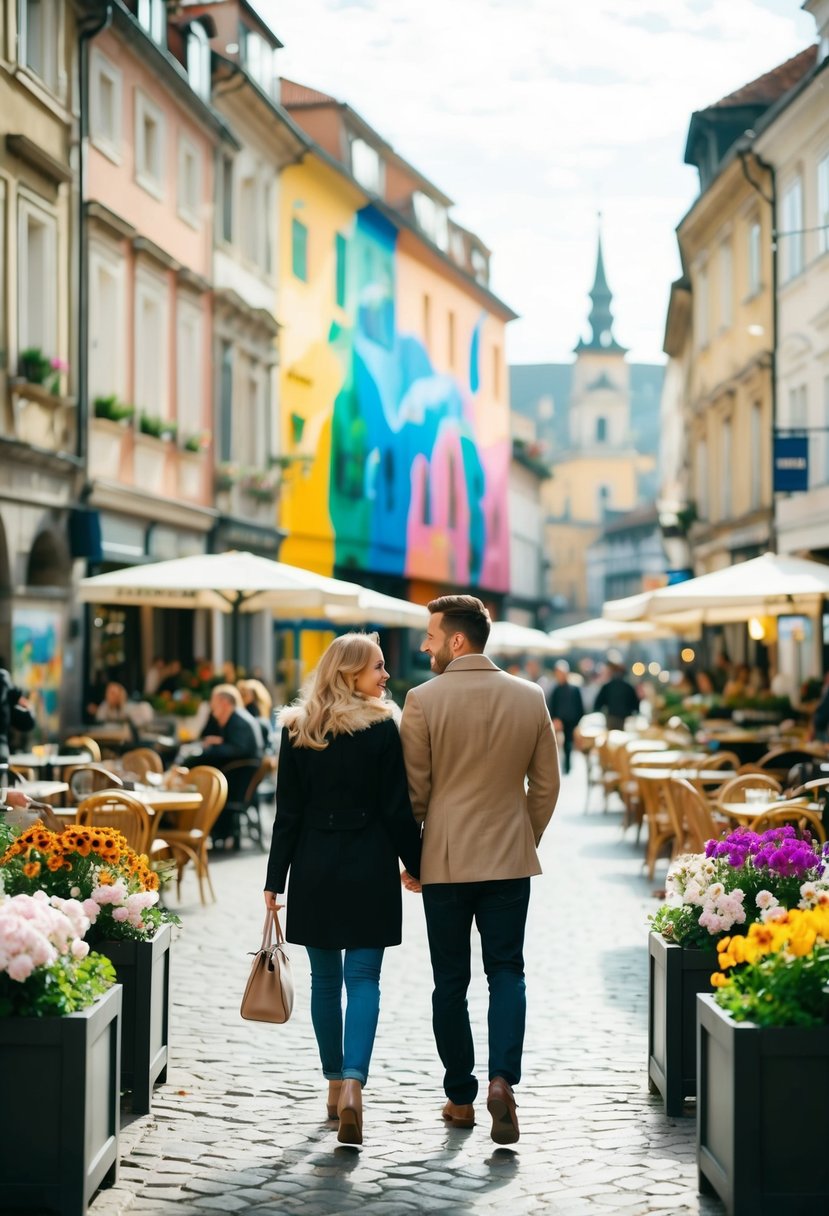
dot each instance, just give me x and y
(372, 680)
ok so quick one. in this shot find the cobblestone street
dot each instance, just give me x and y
(241, 1123)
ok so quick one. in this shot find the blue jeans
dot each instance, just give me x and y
(499, 909)
(345, 1055)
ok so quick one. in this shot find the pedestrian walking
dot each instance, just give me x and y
(616, 699)
(343, 818)
(15, 713)
(470, 739)
(566, 708)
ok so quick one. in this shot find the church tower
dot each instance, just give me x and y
(600, 397)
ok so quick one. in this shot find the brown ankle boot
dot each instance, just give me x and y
(334, 1088)
(350, 1110)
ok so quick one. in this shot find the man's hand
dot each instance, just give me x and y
(270, 901)
(211, 740)
(411, 884)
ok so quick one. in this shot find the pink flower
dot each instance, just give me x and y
(79, 949)
(120, 914)
(20, 968)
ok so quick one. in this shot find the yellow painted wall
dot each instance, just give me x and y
(310, 373)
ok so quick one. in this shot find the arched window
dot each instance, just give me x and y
(601, 430)
(198, 59)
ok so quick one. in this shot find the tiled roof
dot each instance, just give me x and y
(767, 88)
(293, 94)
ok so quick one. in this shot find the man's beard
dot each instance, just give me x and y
(443, 658)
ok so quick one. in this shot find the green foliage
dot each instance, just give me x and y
(34, 366)
(158, 427)
(112, 409)
(780, 991)
(65, 986)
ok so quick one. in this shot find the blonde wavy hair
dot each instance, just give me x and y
(328, 700)
(261, 698)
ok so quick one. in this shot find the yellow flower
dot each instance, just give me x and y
(54, 863)
(718, 980)
(31, 869)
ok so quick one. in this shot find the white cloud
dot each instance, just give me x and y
(532, 114)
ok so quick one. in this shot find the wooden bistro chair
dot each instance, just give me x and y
(781, 760)
(86, 779)
(802, 817)
(735, 789)
(243, 798)
(84, 743)
(188, 842)
(659, 818)
(694, 813)
(140, 761)
(119, 810)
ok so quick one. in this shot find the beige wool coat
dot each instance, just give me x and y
(471, 737)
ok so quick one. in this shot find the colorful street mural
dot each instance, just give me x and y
(412, 490)
(37, 663)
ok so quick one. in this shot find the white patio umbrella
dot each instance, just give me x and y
(600, 632)
(771, 585)
(233, 582)
(375, 608)
(507, 638)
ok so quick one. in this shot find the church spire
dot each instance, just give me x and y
(601, 315)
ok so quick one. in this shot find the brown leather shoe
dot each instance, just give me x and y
(501, 1105)
(459, 1114)
(350, 1110)
(334, 1088)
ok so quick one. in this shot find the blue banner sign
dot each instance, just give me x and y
(791, 462)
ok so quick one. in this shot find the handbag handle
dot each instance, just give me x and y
(272, 928)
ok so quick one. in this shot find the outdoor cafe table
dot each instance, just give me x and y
(156, 802)
(746, 812)
(665, 759)
(47, 763)
(43, 791)
(704, 776)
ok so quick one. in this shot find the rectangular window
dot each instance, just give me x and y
(268, 213)
(225, 419)
(427, 322)
(798, 406)
(249, 219)
(726, 472)
(151, 346)
(152, 16)
(39, 25)
(225, 198)
(299, 249)
(755, 263)
(105, 105)
(37, 321)
(791, 234)
(189, 181)
(106, 328)
(702, 303)
(726, 286)
(189, 364)
(149, 145)
(756, 454)
(432, 217)
(450, 339)
(823, 205)
(340, 261)
(367, 166)
(496, 371)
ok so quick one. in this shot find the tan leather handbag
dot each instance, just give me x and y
(269, 993)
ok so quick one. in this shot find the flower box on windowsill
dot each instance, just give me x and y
(105, 442)
(191, 467)
(41, 418)
(761, 1114)
(60, 1114)
(150, 460)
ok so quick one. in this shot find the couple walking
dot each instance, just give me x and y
(474, 762)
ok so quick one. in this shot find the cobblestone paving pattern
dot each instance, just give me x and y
(240, 1126)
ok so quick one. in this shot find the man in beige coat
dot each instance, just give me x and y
(483, 775)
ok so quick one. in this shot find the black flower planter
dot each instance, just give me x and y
(143, 968)
(60, 1110)
(761, 1115)
(676, 975)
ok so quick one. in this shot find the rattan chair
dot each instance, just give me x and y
(119, 810)
(189, 841)
(803, 818)
(86, 779)
(694, 815)
(659, 818)
(140, 761)
(735, 790)
(84, 743)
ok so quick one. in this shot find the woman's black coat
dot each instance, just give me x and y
(343, 818)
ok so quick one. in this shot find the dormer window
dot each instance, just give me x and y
(259, 58)
(367, 166)
(198, 59)
(480, 267)
(152, 16)
(432, 218)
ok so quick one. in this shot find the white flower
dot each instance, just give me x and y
(765, 899)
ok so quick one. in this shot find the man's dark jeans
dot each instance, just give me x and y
(499, 909)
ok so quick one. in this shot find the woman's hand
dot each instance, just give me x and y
(17, 798)
(411, 884)
(270, 901)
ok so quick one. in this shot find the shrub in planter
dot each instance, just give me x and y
(738, 880)
(112, 409)
(764, 1065)
(159, 428)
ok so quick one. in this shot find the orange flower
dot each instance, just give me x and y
(54, 864)
(106, 879)
(31, 869)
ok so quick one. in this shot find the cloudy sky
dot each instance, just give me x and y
(534, 114)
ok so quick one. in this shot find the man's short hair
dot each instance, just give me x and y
(463, 614)
(228, 693)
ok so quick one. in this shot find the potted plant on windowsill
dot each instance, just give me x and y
(764, 1065)
(156, 426)
(152, 446)
(735, 882)
(113, 410)
(119, 895)
(262, 485)
(59, 1057)
(226, 477)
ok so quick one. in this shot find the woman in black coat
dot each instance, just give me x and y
(343, 818)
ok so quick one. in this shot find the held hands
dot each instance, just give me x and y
(17, 798)
(411, 884)
(270, 902)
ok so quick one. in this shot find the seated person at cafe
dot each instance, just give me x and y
(15, 713)
(230, 733)
(117, 709)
